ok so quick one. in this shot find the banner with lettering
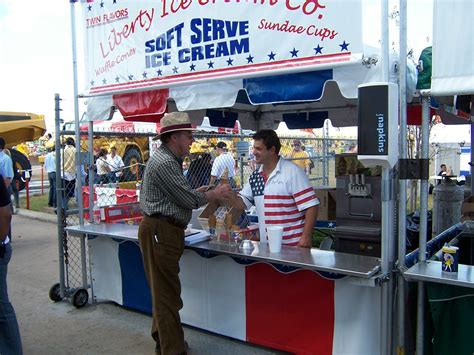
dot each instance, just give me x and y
(150, 44)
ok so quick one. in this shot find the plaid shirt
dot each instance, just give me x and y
(165, 189)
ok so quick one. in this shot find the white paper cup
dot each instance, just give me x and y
(274, 234)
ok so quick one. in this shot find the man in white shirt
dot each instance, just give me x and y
(281, 192)
(223, 161)
(116, 164)
(50, 167)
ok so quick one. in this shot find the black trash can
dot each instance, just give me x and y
(413, 229)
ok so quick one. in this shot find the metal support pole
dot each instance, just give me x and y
(59, 192)
(76, 119)
(423, 228)
(387, 210)
(402, 184)
(90, 143)
(326, 153)
(241, 159)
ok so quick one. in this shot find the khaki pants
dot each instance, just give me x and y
(162, 245)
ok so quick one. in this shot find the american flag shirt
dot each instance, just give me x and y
(281, 199)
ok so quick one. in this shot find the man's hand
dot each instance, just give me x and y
(305, 242)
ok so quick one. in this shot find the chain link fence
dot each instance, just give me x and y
(114, 167)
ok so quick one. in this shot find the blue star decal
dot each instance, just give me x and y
(92, 83)
(249, 59)
(318, 49)
(117, 79)
(294, 53)
(159, 72)
(192, 67)
(175, 70)
(144, 74)
(89, 8)
(130, 77)
(344, 46)
(104, 81)
(271, 56)
(210, 65)
(229, 62)
(101, 4)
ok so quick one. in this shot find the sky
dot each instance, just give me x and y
(36, 51)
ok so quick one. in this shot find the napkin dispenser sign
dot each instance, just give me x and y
(378, 124)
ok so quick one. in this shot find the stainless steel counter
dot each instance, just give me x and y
(430, 271)
(313, 259)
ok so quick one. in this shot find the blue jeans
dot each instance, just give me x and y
(52, 189)
(10, 341)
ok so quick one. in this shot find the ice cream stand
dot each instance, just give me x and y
(260, 63)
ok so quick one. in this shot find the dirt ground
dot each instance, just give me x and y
(60, 328)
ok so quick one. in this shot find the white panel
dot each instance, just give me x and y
(357, 319)
(193, 290)
(453, 52)
(106, 272)
(215, 95)
(226, 297)
(213, 293)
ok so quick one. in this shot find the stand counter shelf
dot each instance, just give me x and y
(430, 271)
(300, 300)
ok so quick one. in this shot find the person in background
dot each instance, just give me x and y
(13, 188)
(50, 167)
(115, 164)
(185, 166)
(442, 172)
(6, 165)
(199, 171)
(103, 168)
(69, 171)
(167, 201)
(224, 161)
(300, 157)
(281, 193)
(10, 341)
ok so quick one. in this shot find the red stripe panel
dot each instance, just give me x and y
(291, 312)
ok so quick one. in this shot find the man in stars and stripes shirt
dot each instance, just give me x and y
(281, 192)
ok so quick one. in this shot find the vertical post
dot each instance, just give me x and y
(387, 210)
(76, 118)
(59, 192)
(241, 172)
(402, 184)
(42, 179)
(90, 129)
(326, 153)
(423, 228)
(27, 193)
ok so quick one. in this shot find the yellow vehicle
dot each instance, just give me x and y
(17, 128)
(133, 149)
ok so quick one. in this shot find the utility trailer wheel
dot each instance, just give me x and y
(55, 293)
(80, 297)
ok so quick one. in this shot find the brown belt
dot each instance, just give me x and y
(171, 220)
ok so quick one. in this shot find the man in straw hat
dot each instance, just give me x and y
(167, 201)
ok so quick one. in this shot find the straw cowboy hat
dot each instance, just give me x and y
(174, 121)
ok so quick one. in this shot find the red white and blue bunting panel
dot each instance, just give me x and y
(134, 45)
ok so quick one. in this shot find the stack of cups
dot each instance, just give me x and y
(275, 234)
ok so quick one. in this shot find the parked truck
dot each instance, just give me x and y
(17, 128)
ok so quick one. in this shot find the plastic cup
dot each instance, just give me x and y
(274, 234)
